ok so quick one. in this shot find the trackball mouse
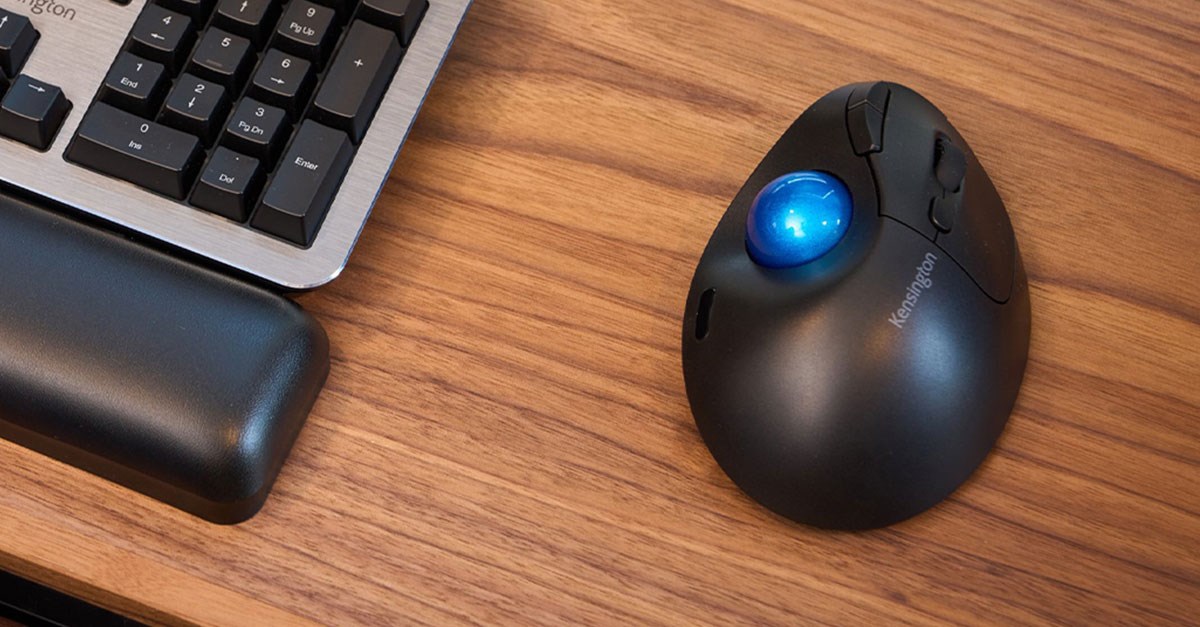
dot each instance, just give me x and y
(858, 326)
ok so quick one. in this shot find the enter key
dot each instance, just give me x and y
(308, 177)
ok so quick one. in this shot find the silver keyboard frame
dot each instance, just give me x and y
(75, 55)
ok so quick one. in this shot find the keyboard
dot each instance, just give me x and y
(254, 133)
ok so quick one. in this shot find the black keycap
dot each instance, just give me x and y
(196, 107)
(304, 185)
(32, 112)
(17, 39)
(257, 129)
(197, 9)
(283, 80)
(343, 7)
(134, 84)
(399, 16)
(252, 19)
(357, 79)
(229, 185)
(161, 35)
(145, 153)
(222, 57)
(306, 29)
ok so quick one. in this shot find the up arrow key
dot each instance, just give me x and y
(17, 39)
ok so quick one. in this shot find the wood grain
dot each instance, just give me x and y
(504, 437)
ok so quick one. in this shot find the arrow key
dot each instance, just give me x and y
(162, 35)
(32, 112)
(252, 19)
(283, 80)
(196, 107)
(17, 39)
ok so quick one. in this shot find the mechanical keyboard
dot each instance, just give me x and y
(254, 133)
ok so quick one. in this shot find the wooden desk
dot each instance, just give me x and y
(505, 438)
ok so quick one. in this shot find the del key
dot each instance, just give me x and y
(304, 185)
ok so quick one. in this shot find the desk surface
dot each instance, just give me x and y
(505, 438)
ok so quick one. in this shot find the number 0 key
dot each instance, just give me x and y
(145, 153)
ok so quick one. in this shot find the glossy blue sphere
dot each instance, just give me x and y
(797, 218)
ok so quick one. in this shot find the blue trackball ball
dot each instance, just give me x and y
(797, 218)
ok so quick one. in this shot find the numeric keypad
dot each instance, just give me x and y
(207, 95)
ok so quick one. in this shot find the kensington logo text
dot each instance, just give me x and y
(57, 9)
(922, 282)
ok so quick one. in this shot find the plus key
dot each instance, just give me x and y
(357, 79)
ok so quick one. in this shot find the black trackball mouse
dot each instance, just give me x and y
(857, 328)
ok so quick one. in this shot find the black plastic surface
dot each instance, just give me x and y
(982, 239)
(865, 113)
(170, 379)
(819, 391)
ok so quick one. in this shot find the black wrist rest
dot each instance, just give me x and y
(173, 380)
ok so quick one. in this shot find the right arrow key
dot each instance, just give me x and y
(32, 112)
(283, 80)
